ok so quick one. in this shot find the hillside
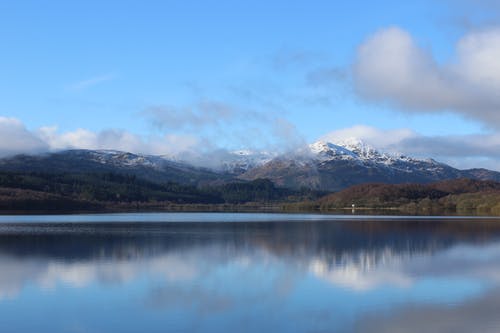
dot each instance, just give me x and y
(151, 168)
(102, 191)
(459, 195)
(334, 167)
(322, 166)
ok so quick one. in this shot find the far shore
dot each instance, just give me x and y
(240, 208)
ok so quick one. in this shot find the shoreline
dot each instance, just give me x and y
(282, 208)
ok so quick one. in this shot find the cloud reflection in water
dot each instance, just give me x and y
(324, 275)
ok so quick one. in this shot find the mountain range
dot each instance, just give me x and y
(322, 165)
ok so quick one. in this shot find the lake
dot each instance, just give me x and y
(210, 272)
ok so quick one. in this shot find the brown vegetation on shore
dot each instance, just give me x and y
(461, 196)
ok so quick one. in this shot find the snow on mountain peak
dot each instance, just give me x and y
(356, 150)
(239, 161)
(359, 147)
(327, 150)
(234, 161)
(351, 150)
(351, 147)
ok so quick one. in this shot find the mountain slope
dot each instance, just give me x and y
(387, 195)
(333, 167)
(152, 168)
(465, 196)
(320, 166)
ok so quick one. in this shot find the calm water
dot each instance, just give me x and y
(248, 273)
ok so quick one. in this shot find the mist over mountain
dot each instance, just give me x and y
(333, 167)
(321, 165)
(151, 168)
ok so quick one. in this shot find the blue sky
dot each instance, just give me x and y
(168, 76)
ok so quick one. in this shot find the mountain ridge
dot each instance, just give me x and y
(321, 165)
(337, 166)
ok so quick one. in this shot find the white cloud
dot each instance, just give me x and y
(15, 138)
(287, 135)
(358, 278)
(390, 67)
(199, 148)
(382, 139)
(47, 273)
(461, 151)
(116, 140)
(79, 138)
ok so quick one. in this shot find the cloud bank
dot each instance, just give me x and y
(198, 144)
(390, 67)
(214, 122)
(462, 151)
(199, 116)
(15, 138)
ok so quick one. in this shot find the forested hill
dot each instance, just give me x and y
(459, 195)
(96, 191)
(321, 166)
(32, 191)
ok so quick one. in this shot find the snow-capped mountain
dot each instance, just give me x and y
(365, 154)
(152, 168)
(124, 159)
(334, 166)
(325, 151)
(355, 147)
(232, 162)
(321, 165)
(240, 161)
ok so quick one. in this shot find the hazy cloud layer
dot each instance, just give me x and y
(15, 138)
(462, 151)
(195, 145)
(294, 58)
(382, 139)
(117, 140)
(199, 116)
(391, 67)
(215, 122)
(326, 76)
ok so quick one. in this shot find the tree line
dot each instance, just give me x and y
(26, 190)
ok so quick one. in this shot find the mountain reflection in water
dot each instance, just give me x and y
(342, 275)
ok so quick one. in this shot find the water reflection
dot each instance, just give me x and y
(332, 276)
